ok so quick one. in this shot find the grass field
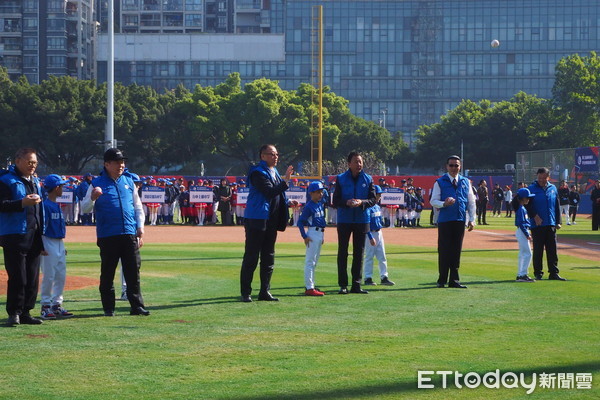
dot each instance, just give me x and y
(201, 343)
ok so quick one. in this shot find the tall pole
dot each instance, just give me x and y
(109, 138)
(320, 157)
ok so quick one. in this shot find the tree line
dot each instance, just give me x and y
(64, 119)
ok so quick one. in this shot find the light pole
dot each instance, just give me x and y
(384, 111)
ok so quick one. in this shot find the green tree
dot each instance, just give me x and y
(576, 93)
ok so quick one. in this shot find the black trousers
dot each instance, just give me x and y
(450, 241)
(126, 249)
(595, 217)
(23, 269)
(259, 243)
(544, 237)
(358, 232)
(481, 211)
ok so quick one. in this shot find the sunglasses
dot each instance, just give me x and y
(454, 165)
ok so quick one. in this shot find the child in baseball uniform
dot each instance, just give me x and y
(523, 233)
(54, 267)
(313, 216)
(375, 246)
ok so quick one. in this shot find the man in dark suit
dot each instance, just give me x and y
(21, 229)
(453, 196)
(266, 213)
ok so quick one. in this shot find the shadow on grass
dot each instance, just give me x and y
(406, 388)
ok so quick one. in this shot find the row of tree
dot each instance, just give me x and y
(64, 119)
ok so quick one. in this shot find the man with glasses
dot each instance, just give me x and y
(266, 213)
(21, 229)
(453, 197)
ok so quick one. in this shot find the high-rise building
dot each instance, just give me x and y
(42, 38)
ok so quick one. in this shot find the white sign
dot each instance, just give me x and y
(153, 194)
(67, 196)
(392, 196)
(201, 194)
(296, 193)
(242, 195)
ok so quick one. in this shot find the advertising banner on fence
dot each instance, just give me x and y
(153, 194)
(201, 194)
(586, 159)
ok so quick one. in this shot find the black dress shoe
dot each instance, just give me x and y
(556, 277)
(13, 320)
(440, 285)
(343, 290)
(538, 277)
(109, 313)
(357, 289)
(266, 297)
(139, 311)
(456, 285)
(246, 299)
(29, 320)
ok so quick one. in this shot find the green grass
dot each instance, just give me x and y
(201, 343)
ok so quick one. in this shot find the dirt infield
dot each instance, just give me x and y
(478, 239)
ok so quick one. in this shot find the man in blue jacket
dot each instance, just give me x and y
(453, 197)
(120, 228)
(353, 196)
(266, 213)
(21, 230)
(544, 211)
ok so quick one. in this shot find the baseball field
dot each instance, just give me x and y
(498, 339)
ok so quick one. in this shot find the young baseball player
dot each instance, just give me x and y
(54, 267)
(523, 233)
(313, 216)
(377, 246)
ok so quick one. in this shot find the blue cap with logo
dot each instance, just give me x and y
(53, 181)
(314, 186)
(524, 192)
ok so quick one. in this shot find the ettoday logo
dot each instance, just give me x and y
(509, 380)
(472, 380)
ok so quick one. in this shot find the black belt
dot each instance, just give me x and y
(376, 230)
(318, 228)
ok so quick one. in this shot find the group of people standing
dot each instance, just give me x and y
(32, 228)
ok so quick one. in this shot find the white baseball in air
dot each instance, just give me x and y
(495, 43)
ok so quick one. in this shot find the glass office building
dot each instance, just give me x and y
(403, 63)
(43, 38)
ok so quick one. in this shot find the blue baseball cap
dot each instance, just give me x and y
(314, 186)
(378, 189)
(53, 181)
(524, 192)
(135, 177)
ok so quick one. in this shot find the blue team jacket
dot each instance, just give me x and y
(16, 222)
(54, 220)
(257, 205)
(544, 204)
(458, 210)
(115, 214)
(353, 189)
